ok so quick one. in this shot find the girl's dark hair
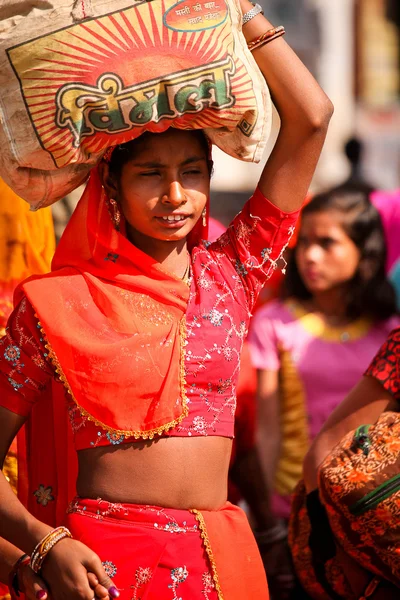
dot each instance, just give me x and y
(369, 293)
(126, 152)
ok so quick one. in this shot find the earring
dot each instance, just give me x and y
(113, 209)
(204, 215)
(116, 213)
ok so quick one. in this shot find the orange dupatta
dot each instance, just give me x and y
(114, 323)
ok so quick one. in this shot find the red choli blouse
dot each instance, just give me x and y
(227, 277)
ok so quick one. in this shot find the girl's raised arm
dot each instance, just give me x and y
(304, 110)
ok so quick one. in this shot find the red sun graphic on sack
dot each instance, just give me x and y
(106, 80)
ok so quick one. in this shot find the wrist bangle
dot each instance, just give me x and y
(266, 37)
(253, 12)
(13, 582)
(45, 545)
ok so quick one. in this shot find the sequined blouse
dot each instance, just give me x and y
(227, 275)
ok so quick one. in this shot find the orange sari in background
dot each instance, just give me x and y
(27, 245)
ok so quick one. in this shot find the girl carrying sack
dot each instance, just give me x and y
(79, 76)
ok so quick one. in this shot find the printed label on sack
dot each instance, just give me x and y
(192, 15)
(110, 107)
(106, 80)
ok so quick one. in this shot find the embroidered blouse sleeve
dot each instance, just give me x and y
(255, 241)
(386, 364)
(24, 370)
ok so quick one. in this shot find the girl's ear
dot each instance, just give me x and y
(107, 180)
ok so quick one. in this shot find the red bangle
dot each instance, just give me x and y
(266, 37)
(13, 583)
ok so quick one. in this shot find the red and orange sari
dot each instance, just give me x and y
(95, 310)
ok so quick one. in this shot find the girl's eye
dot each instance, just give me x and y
(327, 242)
(193, 172)
(149, 173)
(301, 241)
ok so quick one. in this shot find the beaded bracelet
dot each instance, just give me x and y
(266, 37)
(13, 582)
(253, 12)
(45, 545)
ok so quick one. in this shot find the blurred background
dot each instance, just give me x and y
(353, 49)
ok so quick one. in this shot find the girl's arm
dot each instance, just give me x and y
(363, 405)
(268, 432)
(17, 525)
(304, 110)
(9, 555)
(71, 569)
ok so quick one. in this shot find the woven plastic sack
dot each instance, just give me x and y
(79, 76)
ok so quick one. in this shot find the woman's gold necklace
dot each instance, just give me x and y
(186, 275)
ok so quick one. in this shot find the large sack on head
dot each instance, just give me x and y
(77, 76)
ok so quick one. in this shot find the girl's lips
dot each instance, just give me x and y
(172, 224)
(311, 275)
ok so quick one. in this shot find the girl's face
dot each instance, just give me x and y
(326, 257)
(164, 188)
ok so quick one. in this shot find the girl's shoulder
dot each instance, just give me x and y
(275, 310)
(387, 326)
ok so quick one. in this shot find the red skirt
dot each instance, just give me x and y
(152, 553)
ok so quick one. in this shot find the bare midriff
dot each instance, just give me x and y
(175, 472)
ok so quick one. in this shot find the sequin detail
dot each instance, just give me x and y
(44, 495)
(110, 568)
(12, 354)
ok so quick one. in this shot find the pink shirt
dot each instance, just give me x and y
(326, 363)
(329, 360)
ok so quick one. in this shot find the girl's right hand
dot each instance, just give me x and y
(35, 588)
(31, 584)
(74, 572)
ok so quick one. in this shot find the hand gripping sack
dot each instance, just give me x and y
(78, 76)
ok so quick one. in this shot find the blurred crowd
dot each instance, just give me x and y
(309, 344)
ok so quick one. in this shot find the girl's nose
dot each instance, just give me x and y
(175, 194)
(313, 253)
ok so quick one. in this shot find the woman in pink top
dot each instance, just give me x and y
(311, 348)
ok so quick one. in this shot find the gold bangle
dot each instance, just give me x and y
(45, 545)
(266, 37)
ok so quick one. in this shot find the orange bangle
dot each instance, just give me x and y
(266, 37)
(46, 544)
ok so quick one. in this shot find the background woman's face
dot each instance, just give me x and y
(326, 257)
(164, 188)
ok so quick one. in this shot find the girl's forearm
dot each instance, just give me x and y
(17, 525)
(362, 406)
(296, 94)
(9, 555)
